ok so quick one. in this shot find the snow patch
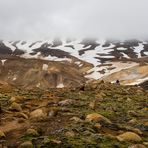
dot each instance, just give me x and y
(27, 46)
(9, 45)
(53, 58)
(121, 48)
(45, 67)
(29, 56)
(3, 61)
(94, 74)
(78, 62)
(138, 49)
(125, 55)
(107, 57)
(80, 65)
(146, 53)
(138, 81)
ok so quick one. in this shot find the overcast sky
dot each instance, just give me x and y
(43, 19)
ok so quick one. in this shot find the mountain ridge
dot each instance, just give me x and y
(99, 58)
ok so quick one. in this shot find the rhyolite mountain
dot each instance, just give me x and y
(71, 62)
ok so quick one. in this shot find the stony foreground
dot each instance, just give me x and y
(98, 114)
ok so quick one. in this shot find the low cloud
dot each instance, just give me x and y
(45, 19)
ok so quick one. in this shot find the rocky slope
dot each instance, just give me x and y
(77, 60)
(40, 73)
(96, 114)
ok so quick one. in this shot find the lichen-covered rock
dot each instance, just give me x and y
(12, 99)
(70, 134)
(76, 119)
(38, 113)
(27, 144)
(66, 102)
(129, 136)
(96, 118)
(57, 142)
(32, 132)
(15, 107)
(132, 121)
(15, 99)
(52, 113)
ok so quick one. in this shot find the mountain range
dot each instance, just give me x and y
(72, 62)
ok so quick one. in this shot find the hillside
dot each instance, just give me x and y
(96, 114)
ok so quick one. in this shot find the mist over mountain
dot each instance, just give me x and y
(37, 19)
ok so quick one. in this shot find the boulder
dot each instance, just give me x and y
(66, 102)
(12, 99)
(132, 121)
(15, 99)
(76, 119)
(96, 118)
(70, 134)
(129, 136)
(32, 132)
(38, 113)
(27, 144)
(57, 142)
(52, 113)
(15, 107)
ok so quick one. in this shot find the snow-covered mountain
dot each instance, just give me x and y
(96, 59)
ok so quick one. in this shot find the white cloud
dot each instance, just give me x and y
(40, 19)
